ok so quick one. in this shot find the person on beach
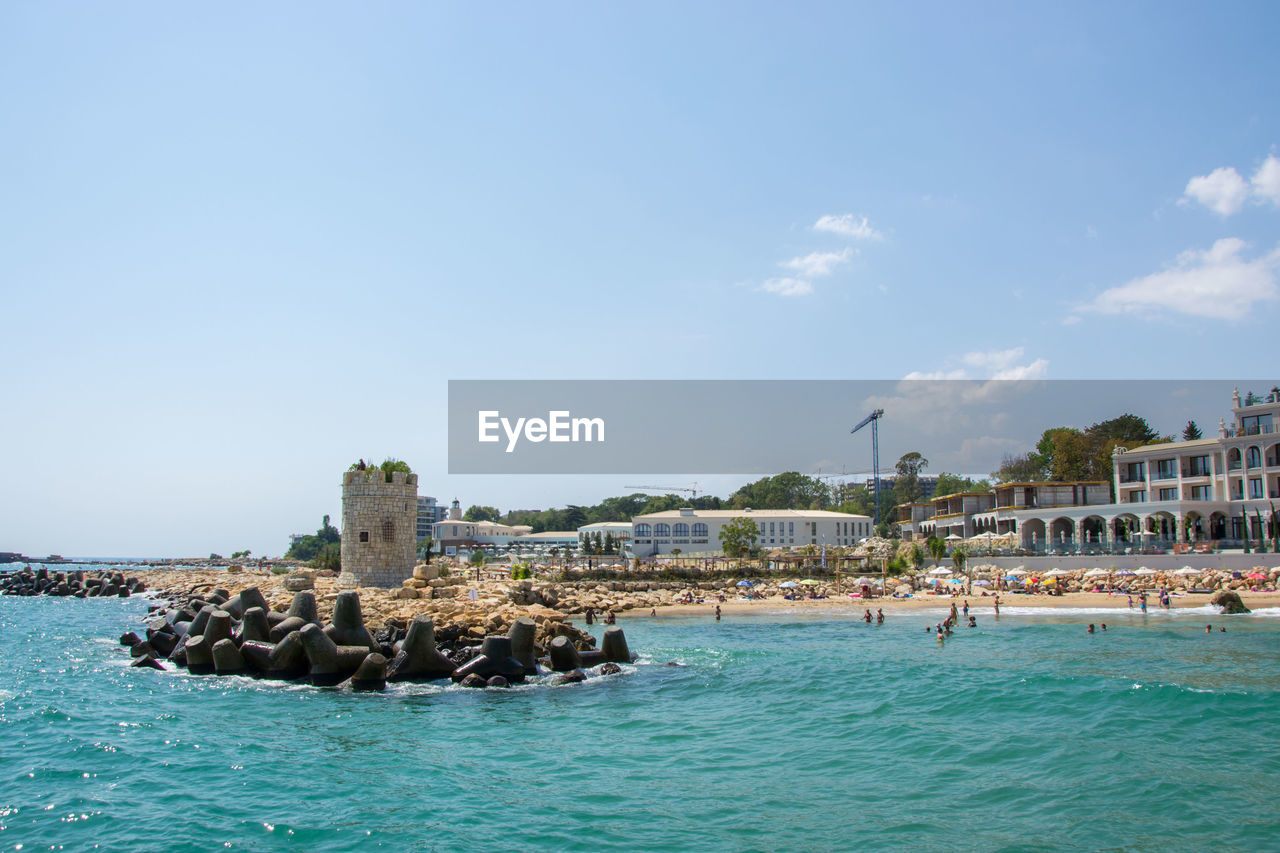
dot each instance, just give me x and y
(610, 618)
(591, 616)
(954, 616)
(653, 612)
(717, 612)
(997, 605)
(973, 621)
(1142, 602)
(966, 607)
(866, 617)
(1130, 602)
(879, 616)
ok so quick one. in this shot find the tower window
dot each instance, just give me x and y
(364, 536)
(388, 530)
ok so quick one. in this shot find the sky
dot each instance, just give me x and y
(243, 245)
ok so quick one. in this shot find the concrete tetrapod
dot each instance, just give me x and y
(494, 659)
(522, 634)
(254, 625)
(330, 663)
(564, 657)
(304, 607)
(198, 654)
(371, 674)
(418, 657)
(226, 657)
(614, 645)
(347, 628)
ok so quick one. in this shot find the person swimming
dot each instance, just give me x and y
(1089, 630)
(1104, 626)
(866, 617)
(973, 621)
(879, 615)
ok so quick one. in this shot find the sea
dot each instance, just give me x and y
(779, 730)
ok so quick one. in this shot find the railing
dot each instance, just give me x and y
(1165, 475)
(1195, 472)
(1234, 466)
(1135, 478)
(1258, 429)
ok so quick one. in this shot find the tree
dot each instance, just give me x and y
(309, 547)
(789, 490)
(597, 543)
(738, 536)
(1191, 432)
(908, 468)
(937, 549)
(916, 556)
(481, 513)
(950, 484)
(1023, 468)
(388, 465)
(476, 558)
(958, 559)
(424, 548)
(610, 544)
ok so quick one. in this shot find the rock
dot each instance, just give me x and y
(288, 658)
(299, 581)
(573, 676)
(474, 680)
(218, 627)
(142, 650)
(418, 657)
(257, 654)
(130, 639)
(1229, 601)
(497, 681)
(610, 669)
(426, 572)
(405, 593)
(235, 569)
(148, 662)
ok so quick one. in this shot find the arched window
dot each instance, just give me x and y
(1254, 457)
(700, 530)
(388, 530)
(1233, 459)
(661, 530)
(644, 530)
(680, 530)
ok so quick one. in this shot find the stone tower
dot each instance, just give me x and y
(379, 523)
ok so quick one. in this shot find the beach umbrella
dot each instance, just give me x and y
(1145, 572)
(809, 582)
(938, 572)
(954, 538)
(745, 583)
(982, 583)
(1256, 576)
(788, 585)
(1094, 573)
(1126, 573)
(1056, 572)
(1187, 571)
(1018, 572)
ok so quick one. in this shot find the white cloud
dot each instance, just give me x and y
(1223, 190)
(1002, 364)
(1266, 181)
(817, 263)
(848, 225)
(1070, 320)
(1216, 283)
(787, 287)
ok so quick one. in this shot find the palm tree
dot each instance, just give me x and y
(937, 549)
(958, 559)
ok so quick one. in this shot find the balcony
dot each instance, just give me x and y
(1196, 472)
(1164, 475)
(1234, 465)
(1256, 429)
(1132, 478)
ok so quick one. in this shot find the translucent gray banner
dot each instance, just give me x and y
(769, 426)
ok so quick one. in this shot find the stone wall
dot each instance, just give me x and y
(379, 521)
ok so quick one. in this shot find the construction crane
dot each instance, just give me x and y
(692, 490)
(874, 420)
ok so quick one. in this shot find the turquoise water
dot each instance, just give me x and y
(780, 732)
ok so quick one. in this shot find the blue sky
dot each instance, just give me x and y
(241, 246)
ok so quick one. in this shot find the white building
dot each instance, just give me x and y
(695, 531)
(454, 534)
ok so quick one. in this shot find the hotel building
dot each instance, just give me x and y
(698, 531)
